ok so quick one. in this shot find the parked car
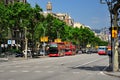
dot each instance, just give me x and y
(42, 53)
(19, 54)
(88, 51)
(84, 51)
(35, 53)
(79, 51)
(29, 53)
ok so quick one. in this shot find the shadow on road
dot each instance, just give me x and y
(90, 68)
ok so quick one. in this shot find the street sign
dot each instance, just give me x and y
(9, 42)
(57, 40)
(44, 39)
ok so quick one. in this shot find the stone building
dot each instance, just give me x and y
(12, 1)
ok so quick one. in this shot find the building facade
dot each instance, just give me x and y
(78, 25)
(12, 1)
(65, 17)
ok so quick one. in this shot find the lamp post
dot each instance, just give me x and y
(44, 39)
(44, 42)
(26, 41)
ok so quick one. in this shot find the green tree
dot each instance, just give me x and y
(21, 16)
(54, 27)
(3, 23)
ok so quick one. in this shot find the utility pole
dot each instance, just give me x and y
(113, 6)
(116, 57)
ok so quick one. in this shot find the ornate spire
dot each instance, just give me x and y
(49, 6)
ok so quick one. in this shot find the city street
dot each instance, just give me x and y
(77, 67)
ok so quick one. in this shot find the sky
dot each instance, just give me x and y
(88, 12)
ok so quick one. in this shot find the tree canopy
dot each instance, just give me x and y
(19, 16)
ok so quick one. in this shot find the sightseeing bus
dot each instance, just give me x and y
(56, 49)
(70, 49)
(102, 50)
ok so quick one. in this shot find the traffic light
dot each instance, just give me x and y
(114, 32)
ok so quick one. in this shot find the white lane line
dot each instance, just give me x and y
(76, 72)
(11, 79)
(105, 68)
(36, 66)
(1, 70)
(25, 71)
(13, 71)
(38, 71)
(50, 71)
(26, 66)
(63, 72)
(102, 72)
(46, 66)
(88, 63)
(17, 66)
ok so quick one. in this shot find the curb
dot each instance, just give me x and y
(21, 58)
(110, 73)
(5, 59)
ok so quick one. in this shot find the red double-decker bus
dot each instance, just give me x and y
(56, 49)
(69, 49)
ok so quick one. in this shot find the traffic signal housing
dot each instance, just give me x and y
(114, 32)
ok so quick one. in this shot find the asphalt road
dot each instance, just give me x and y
(78, 67)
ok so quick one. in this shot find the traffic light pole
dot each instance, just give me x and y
(115, 66)
(113, 6)
(115, 23)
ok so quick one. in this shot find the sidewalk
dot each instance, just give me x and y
(109, 72)
(19, 58)
(11, 59)
(3, 59)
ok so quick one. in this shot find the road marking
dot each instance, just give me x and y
(38, 71)
(89, 73)
(63, 72)
(87, 63)
(47, 66)
(105, 68)
(17, 66)
(76, 72)
(26, 66)
(25, 71)
(1, 70)
(50, 71)
(36, 66)
(102, 73)
(13, 71)
(11, 79)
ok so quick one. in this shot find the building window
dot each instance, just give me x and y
(11, 1)
(6, 2)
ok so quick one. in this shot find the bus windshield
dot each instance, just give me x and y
(53, 50)
(102, 50)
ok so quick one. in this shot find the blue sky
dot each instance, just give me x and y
(88, 12)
